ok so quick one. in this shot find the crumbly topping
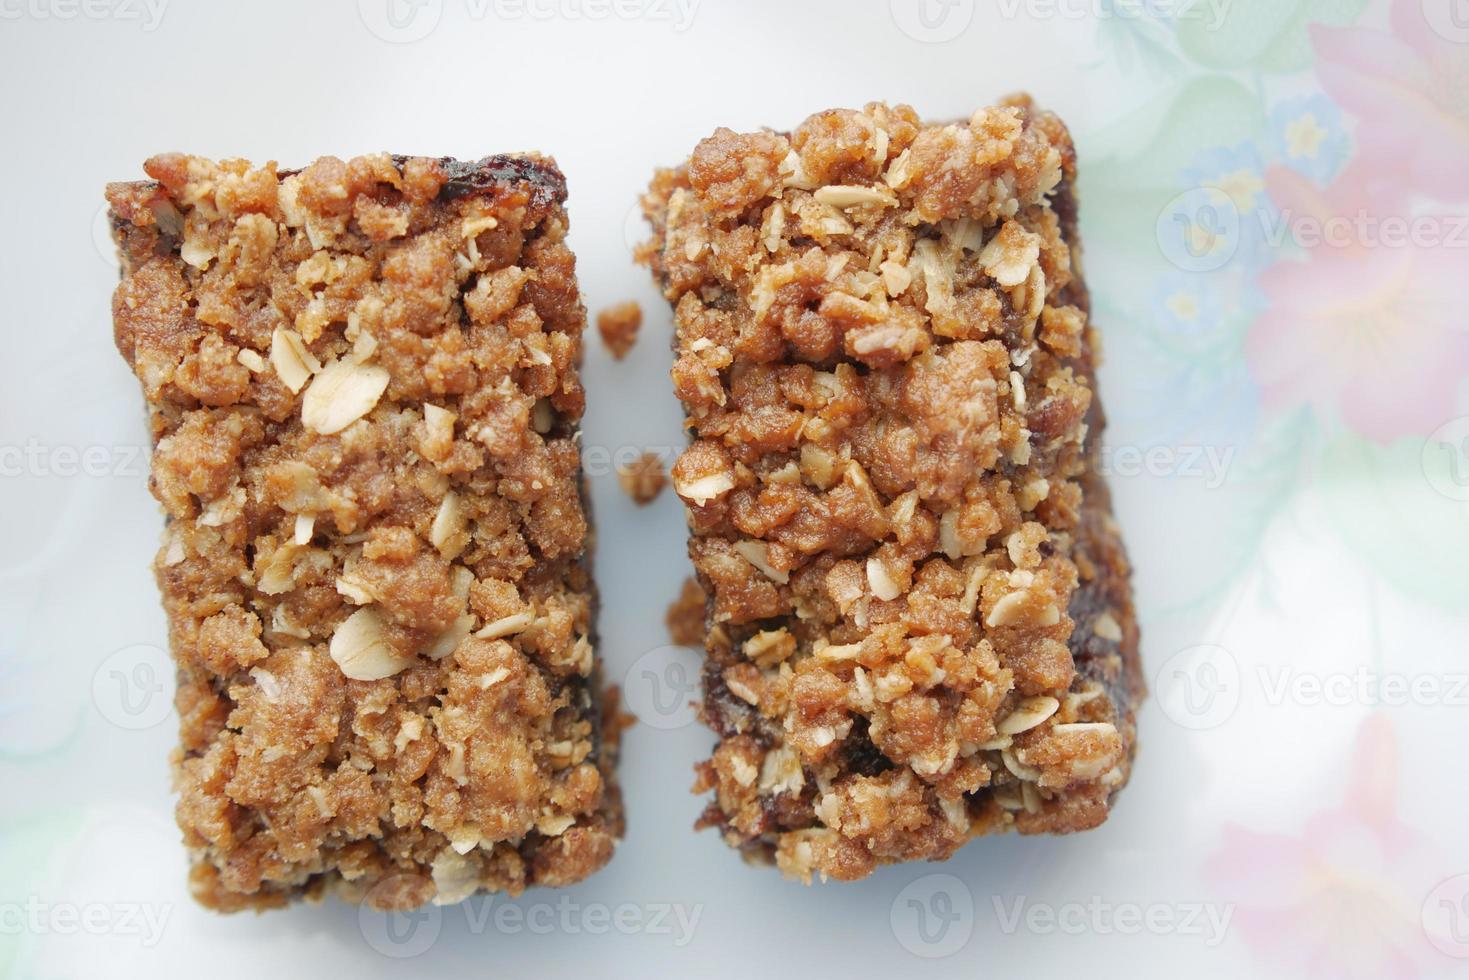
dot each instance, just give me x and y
(883, 351)
(685, 616)
(619, 327)
(362, 384)
(643, 479)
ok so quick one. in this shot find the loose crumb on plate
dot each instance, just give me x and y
(619, 326)
(685, 616)
(643, 479)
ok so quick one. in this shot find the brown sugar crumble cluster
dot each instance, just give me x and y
(363, 393)
(619, 326)
(643, 479)
(919, 624)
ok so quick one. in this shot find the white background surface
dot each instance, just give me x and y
(85, 808)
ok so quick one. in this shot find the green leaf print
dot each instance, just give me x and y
(1132, 168)
(1384, 504)
(1270, 35)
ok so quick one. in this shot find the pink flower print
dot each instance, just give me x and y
(1370, 324)
(1410, 93)
(1343, 899)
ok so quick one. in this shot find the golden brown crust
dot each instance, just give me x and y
(919, 626)
(363, 392)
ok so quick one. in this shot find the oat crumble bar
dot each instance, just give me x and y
(919, 625)
(363, 394)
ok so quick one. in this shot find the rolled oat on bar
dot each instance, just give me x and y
(919, 625)
(362, 387)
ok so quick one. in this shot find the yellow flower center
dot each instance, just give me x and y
(1185, 306)
(1304, 136)
(1240, 187)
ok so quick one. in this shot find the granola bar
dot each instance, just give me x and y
(919, 626)
(363, 394)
